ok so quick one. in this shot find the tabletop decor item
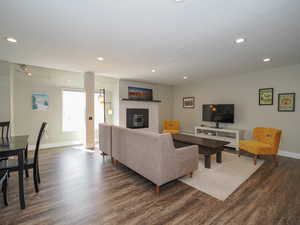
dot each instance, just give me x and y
(266, 96)
(189, 102)
(286, 102)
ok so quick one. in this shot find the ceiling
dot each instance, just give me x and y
(193, 38)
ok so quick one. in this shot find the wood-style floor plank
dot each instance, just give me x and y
(78, 187)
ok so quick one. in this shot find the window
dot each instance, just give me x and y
(73, 111)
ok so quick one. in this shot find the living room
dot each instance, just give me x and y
(173, 112)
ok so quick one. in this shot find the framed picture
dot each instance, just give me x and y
(40, 102)
(266, 96)
(286, 102)
(143, 94)
(189, 102)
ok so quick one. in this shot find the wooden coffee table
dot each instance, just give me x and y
(207, 147)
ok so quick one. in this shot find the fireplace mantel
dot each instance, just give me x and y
(136, 100)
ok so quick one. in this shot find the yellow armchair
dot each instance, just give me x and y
(265, 142)
(171, 126)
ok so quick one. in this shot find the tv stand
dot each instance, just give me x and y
(229, 135)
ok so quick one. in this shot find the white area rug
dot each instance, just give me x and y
(223, 178)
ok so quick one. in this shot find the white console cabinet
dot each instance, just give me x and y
(229, 135)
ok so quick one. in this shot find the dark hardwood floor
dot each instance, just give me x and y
(79, 188)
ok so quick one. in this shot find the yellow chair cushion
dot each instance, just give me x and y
(256, 147)
(171, 131)
(171, 125)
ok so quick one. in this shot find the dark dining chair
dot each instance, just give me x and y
(3, 183)
(11, 165)
(4, 126)
(4, 129)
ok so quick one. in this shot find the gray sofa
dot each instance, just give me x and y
(152, 155)
(105, 138)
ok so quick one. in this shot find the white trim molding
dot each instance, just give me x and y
(55, 145)
(289, 154)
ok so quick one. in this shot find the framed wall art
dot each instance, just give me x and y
(266, 96)
(286, 102)
(40, 102)
(136, 93)
(189, 102)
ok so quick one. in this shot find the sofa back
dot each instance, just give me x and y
(105, 138)
(145, 152)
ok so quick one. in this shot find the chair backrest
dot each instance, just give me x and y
(4, 126)
(3, 174)
(41, 134)
(268, 135)
(171, 125)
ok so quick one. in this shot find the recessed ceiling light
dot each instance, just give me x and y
(11, 39)
(177, 1)
(240, 40)
(28, 74)
(185, 77)
(267, 60)
(100, 58)
(153, 70)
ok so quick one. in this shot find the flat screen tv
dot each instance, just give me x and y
(219, 113)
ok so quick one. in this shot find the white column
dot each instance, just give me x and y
(89, 86)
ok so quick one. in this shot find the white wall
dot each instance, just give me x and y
(46, 81)
(51, 82)
(160, 92)
(242, 90)
(4, 91)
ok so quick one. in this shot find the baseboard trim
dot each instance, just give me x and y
(293, 155)
(55, 145)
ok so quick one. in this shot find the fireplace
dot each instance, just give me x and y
(137, 118)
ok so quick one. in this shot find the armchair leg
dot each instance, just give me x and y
(157, 189)
(255, 158)
(190, 174)
(275, 159)
(239, 153)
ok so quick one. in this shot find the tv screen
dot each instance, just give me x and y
(223, 113)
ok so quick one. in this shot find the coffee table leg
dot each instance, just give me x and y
(219, 157)
(207, 161)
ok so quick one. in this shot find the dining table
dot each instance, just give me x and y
(16, 146)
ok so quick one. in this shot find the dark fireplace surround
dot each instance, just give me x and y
(137, 118)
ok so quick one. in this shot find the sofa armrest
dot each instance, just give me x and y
(191, 150)
(187, 158)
